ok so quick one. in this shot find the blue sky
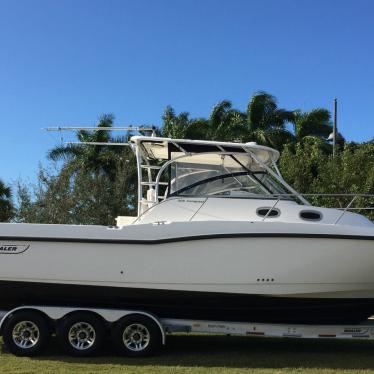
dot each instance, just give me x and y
(65, 62)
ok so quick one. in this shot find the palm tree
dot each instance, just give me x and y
(6, 206)
(182, 127)
(226, 123)
(99, 159)
(199, 129)
(266, 122)
(315, 123)
(263, 123)
(315, 127)
(90, 173)
(175, 126)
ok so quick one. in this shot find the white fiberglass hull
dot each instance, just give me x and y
(239, 270)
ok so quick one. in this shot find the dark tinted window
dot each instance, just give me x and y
(262, 212)
(310, 215)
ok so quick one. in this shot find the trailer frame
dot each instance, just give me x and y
(56, 314)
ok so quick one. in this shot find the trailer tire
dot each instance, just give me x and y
(136, 335)
(26, 333)
(81, 334)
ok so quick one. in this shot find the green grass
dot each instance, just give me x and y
(212, 354)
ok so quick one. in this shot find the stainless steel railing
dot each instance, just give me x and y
(279, 197)
(337, 195)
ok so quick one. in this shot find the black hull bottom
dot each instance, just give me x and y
(190, 305)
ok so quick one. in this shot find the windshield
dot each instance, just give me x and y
(221, 175)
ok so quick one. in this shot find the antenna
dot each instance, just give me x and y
(99, 143)
(335, 126)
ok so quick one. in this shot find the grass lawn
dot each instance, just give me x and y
(212, 354)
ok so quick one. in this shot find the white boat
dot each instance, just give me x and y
(219, 236)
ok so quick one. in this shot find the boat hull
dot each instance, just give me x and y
(189, 304)
(224, 271)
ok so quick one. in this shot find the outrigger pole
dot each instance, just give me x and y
(149, 131)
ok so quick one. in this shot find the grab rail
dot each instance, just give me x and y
(337, 195)
(278, 198)
(344, 210)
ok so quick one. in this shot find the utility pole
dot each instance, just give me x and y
(334, 127)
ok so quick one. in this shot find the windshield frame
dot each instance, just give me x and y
(271, 195)
(215, 178)
(278, 180)
(269, 191)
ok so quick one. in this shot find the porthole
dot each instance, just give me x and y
(262, 212)
(310, 215)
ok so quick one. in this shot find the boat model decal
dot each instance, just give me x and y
(13, 248)
(188, 238)
(190, 201)
(356, 331)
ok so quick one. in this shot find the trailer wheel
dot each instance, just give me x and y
(81, 334)
(26, 333)
(136, 335)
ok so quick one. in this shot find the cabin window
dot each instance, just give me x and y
(310, 215)
(270, 212)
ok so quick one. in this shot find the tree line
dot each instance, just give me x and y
(262, 122)
(94, 184)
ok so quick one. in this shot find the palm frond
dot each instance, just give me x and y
(218, 112)
(260, 105)
(313, 123)
(64, 152)
(5, 191)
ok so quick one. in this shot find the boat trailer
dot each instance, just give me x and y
(138, 333)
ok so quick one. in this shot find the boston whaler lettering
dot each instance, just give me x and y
(219, 236)
(13, 248)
